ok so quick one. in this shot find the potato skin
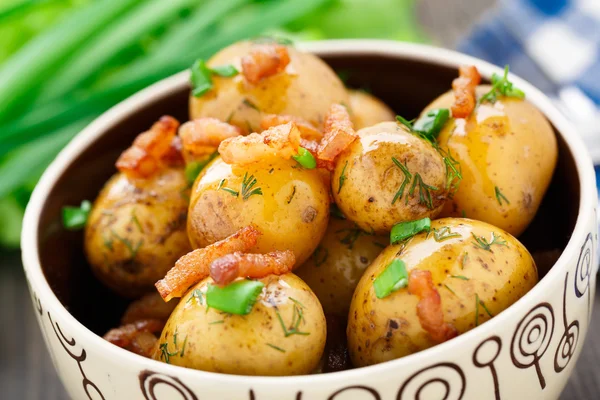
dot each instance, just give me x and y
(136, 230)
(292, 213)
(368, 110)
(240, 343)
(334, 269)
(371, 179)
(384, 329)
(510, 146)
(306, 89)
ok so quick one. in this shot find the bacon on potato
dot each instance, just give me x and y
(264, 61)
(464, 91)
(226, 269)
(339, 133)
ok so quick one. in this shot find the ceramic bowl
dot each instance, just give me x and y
(525, 352)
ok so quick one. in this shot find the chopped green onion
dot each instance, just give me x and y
(200, 78)
(235, 298)
(74, 218)
(394, 277)
(226, 71)
(305, 158)
(405, 230)
(432, 123)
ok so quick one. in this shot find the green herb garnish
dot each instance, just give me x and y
(198, 296)
(485, 308)
(136, 221)
(424, 191)
(500, 197)
(342, 178)
(405, 230)
(352, 235)
(275, 347)
(305, 158)
(453, 171)
(405, 181)
(405, 122)
(464, 259)
(226, 71)
(201, 76)
(127, 243)
(394, 277)
(484, 244)
(234, 193)
(461, 277)
(451, 291)
(432, 122)
(221, 321)
(297, 318)
(247, 187)
(75, 218)
(193, 169)
(444, 233)
(166, 355)
(320, 256)
(236, 298)
(250, 104)
(501, 86)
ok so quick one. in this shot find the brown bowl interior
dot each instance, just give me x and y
(406, 85)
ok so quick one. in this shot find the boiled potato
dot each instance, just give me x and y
(137, 230)
(252, 344)
(368, 110)
(468, 259)
(288, 204)
(306, 89)
(336, 266)
(375, 192)
(507, 152)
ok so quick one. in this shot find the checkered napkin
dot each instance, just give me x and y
(555, 45)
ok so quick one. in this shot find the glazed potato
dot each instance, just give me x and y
(334, 269)
(496, 272)
(507, 152)
(136, 230)
(252, 344)
(368, 110)
(306, 89)
(289, 205)
(375, 192)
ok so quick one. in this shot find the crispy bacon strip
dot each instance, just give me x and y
(307, 130)
(139, 336)
(264, 61)
(201, 137)
(280, 141)
(464, 91)
(339, 133)
(174, 156)
(227, 268)
(149, 306)
(145, 155)
(429, 308)
(195, 265)
(313, 147)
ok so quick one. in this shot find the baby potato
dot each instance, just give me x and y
(334, 269)
(305, 89)
(478, 270)
(368, 110)
(288, 204)
(507, 152)
(136, 230)
(284, 333)
(388, 176)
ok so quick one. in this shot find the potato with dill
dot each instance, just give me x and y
(250, 79)
(136, 229)
(502, 130)
(271, 326)
(336, 266)
(434, 285)
(368, 110)
(387, 176)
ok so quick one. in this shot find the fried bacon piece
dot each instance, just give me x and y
(195, 265)
(264, 61)
(313, 147)
(149, 149)
(339, 133)
(464, 91)
(280, 141)
(138, 337)
(201, 137)
(239, 265)
(307, 130)
(429, 308)
(149, 306)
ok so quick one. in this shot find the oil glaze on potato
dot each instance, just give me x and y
(508, 153)
(137, 230)
(306, 89)
(367, 183)
(334, 269)
(368, 110)
(384, 329)
(252, 344)
(291, 210)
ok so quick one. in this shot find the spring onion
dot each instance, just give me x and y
(432, 123)
(226, 71)
(75, 218)
(236, 298)
(200, 78)
(305, 159)
(394, 277)
(405, 230)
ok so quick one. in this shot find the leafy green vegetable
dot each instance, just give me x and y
(501, 86)
(394, 277)
(432, 122)
(236, 298)
(75, 218)
(405, 230)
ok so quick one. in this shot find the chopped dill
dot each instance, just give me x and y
(484, 244)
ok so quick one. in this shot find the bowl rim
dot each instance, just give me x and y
(399, 50)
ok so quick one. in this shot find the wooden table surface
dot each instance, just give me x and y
(26, 372)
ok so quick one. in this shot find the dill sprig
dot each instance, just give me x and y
(166, 355)
(501, 86)
(275, 347)
(247, 187)
(500, 197)
(297, 319)
(453, 170)
(198, 296)
(484, 244)
(342, 178)
(234, 193)
(444, 233)
(127, 243)
(352, 235)
(405, 181)
(424, 191)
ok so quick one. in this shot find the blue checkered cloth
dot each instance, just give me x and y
(555, 45)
